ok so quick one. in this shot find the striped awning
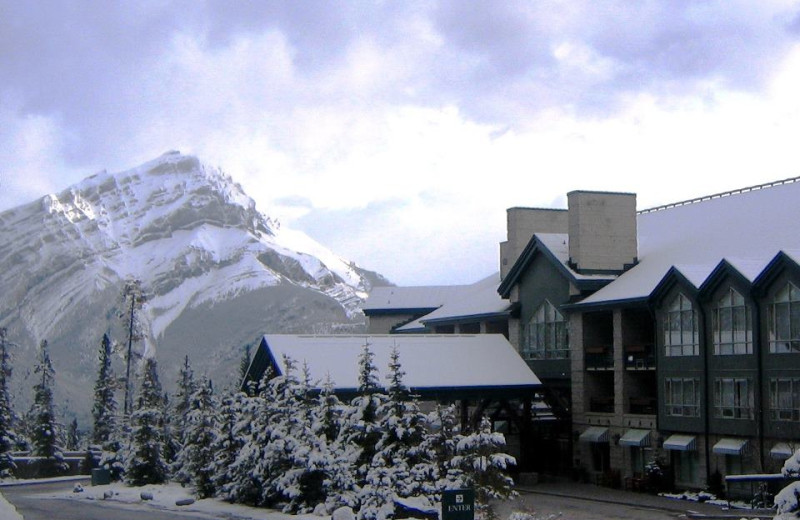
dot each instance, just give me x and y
(594, 434)
(781, 450)
(638, 438)
(680, 443)
(729, 446)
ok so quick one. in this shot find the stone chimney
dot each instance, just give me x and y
(522, 223)
(602, 231)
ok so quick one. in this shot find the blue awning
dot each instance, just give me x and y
(680, 443)
(594, 434)
(637, 438)
(781, 450)
(729, 446)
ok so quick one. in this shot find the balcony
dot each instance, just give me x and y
(640, 357)
(599, 358)
(642, 405)
(601, 404)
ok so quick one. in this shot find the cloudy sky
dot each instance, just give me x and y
(398, 132)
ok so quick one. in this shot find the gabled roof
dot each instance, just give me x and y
(400, 299)
(555, 248)
(748, 228)
(476, 301)
(430, 362)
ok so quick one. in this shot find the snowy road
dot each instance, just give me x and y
(32, 505)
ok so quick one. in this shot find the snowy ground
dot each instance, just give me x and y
(7, 511)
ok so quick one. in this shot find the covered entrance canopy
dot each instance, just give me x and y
(729, 446)
(594, 434)
(636, 438)
(680, 443)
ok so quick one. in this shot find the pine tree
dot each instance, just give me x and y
(183, 402)
(196, 457)
(226, 441)
(244, 365)
(73, 439)
(133, 298)
(340, 484)
(144, 463)
(45, 432)
(105, 405)
(440, 444)
(398, 456)
(361, 428)
(480, 456)
(8, 436)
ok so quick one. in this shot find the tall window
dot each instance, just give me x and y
(546, 334)
(733, 328)
(733, 398)
(784, 399)
(682, 397)
(784, 321)
(681, 336)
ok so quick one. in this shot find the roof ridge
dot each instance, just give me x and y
(738, 191)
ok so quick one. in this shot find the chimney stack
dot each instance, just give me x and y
(602, 231)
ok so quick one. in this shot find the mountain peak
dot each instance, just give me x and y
(218, 273)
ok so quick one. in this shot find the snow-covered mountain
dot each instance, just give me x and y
(217, 274)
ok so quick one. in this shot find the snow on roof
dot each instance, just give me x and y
(748, 229)
(429, 361)
(402, 298)
(478, 299)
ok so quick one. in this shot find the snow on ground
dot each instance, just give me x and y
(7, 511)
(165, 497)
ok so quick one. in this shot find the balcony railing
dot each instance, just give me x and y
(599, 358)
(640, 357)
(642, 405)
(601, 404)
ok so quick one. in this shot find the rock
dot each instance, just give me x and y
(144, 495)
(108, 494)
(320, 510)
(77, 489)
(343, 513)
(184, 502)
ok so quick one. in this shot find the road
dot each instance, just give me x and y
(31, 504)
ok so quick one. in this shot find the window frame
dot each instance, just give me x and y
(734, 398)
(777, 411)
(675, 393)
(788, 307)
(546, 334)
(680, 316)
(732, 307)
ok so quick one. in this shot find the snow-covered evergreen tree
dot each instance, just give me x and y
(480, 456)
(243, 479)
(73, 436)
(104, 409)
(133, 300)
(361, 426)
(338, 458)
(45, 431)
(400, 465)
(196, 458)
(8, 435)
(144, 463)
(227, 441)
(183, 402)
(244, 364)
(440, 445)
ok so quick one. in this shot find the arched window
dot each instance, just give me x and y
(681, 337)
(546, 334)
(784, 321)
(732, 325)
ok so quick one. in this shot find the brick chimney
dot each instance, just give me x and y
(602, 231)
(521, 224)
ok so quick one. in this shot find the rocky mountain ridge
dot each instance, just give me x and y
(217, 274)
